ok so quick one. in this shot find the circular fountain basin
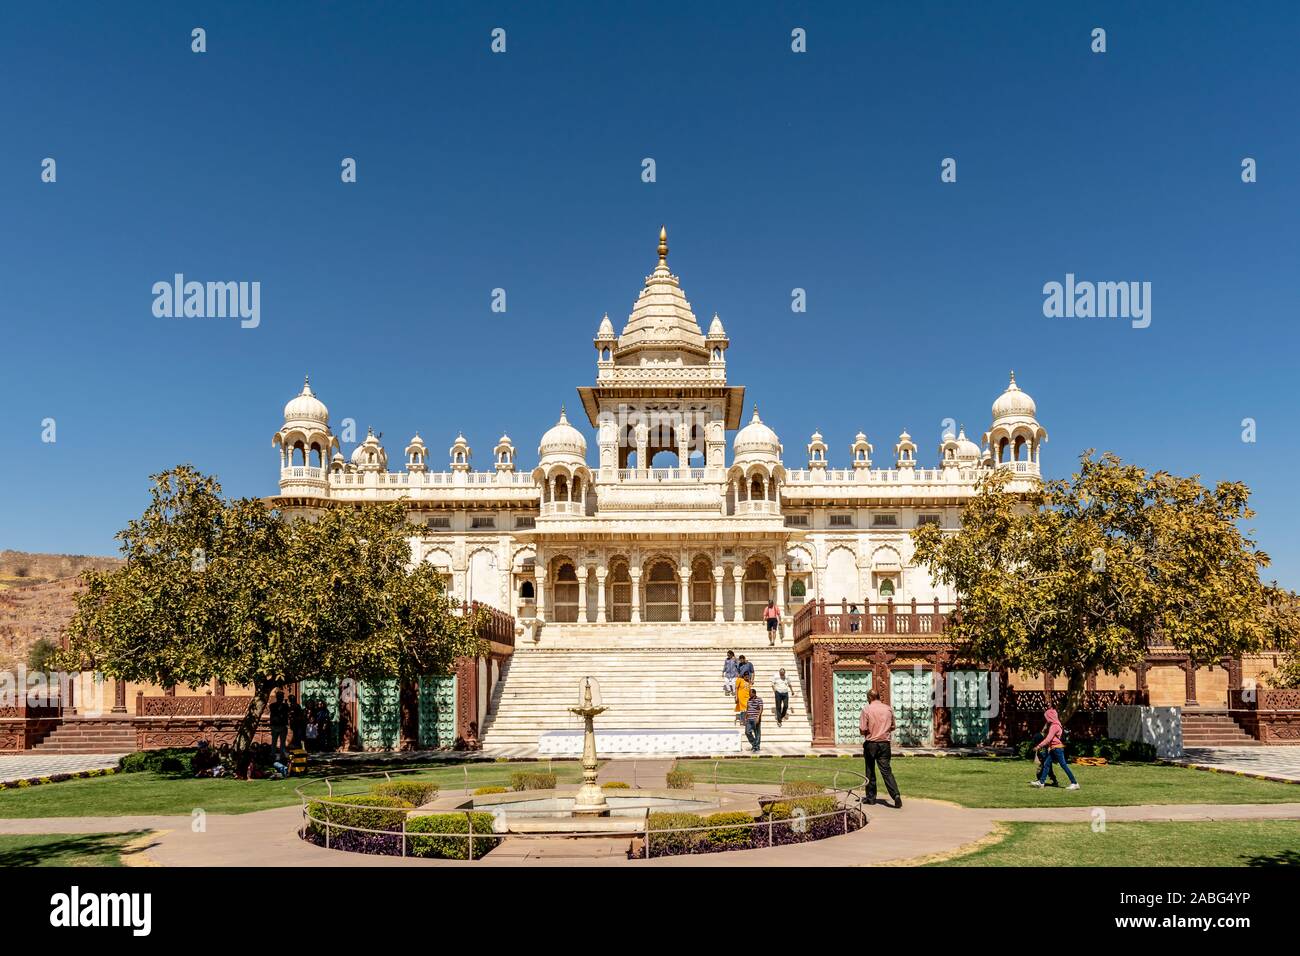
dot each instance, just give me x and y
(551, 811)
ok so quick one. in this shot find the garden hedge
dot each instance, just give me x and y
(450, 847)
(415, 792)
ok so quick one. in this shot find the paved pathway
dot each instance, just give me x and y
(1282, 763)
(922, 828)
(33, 764)
(652, 774)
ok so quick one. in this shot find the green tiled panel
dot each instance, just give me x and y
(327, 689)
(911, 696)
(437, 711)
(850, 689)
(379, 714)
(969, 707)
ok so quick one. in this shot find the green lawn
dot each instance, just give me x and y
(63, 849)
(1004, 782)
(151, 793)
(1219, 843)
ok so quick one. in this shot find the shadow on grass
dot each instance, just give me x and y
(79, 849)
(1285, 858)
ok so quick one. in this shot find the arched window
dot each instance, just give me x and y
(527, 592)
(886, 587)
(566, 595)
(662, 593)
(757, 590)
(756, 489)
(701, 590)
(618, 597)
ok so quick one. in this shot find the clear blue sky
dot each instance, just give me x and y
(522, 171)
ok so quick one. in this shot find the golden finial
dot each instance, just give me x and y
(1013, 379)
(663, 244)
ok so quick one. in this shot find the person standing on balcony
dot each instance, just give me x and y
(754, 721)
(773, 618)
(781, 694)
(876, 724)
(729, 671)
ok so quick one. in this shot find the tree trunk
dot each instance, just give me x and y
(248, 726)
(1074, 695)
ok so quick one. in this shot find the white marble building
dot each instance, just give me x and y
(609, 540)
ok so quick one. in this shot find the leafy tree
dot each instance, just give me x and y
(236, 591)
(1084, 575)
(42, 655)
(1282, 621)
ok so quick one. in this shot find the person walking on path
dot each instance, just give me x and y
(1053, 748)
(754, 721)
(781, 695)
(729, 671)
(742, 698)
(876, 724)
(279, 725)
(773, 618)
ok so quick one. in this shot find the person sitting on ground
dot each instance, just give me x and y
(205, 760)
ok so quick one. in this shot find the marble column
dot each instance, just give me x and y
(779, 571)
(737, 576)
(719, 616)
(601, 573)
(539, 587)
(583, 571)
(684, 589)
(635, 575)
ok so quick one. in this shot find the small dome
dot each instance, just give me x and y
(1013, 403)
(370, 455)
(306, 407)
(715, 328)
(967, 450)
(757, 439)
(417, 444)
(606, 330)
(563, 439)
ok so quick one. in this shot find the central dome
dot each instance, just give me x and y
(662, 328)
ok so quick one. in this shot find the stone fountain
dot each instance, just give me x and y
(590, 800)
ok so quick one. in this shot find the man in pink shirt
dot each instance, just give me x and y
(876, 724)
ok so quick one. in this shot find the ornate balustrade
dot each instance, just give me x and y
(881, 476)
(205, 705)
(818, 619)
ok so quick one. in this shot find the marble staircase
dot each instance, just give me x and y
(645, 684)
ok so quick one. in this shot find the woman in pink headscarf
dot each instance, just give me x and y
(1053, 748)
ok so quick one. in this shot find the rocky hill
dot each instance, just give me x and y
(36, 598)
